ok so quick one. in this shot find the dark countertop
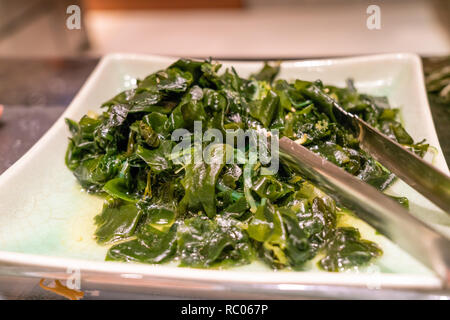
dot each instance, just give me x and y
(36, 92)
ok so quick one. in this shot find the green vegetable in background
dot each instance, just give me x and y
(211, 214)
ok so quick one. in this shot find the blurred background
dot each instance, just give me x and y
(223, 28)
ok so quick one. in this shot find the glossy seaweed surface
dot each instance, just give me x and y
(210, 214)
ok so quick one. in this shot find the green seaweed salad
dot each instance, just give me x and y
(208, 215)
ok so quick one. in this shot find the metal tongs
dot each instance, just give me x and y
(383, 213)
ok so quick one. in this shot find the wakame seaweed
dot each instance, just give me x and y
(212, 214)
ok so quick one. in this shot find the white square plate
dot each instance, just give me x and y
(46, 221)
